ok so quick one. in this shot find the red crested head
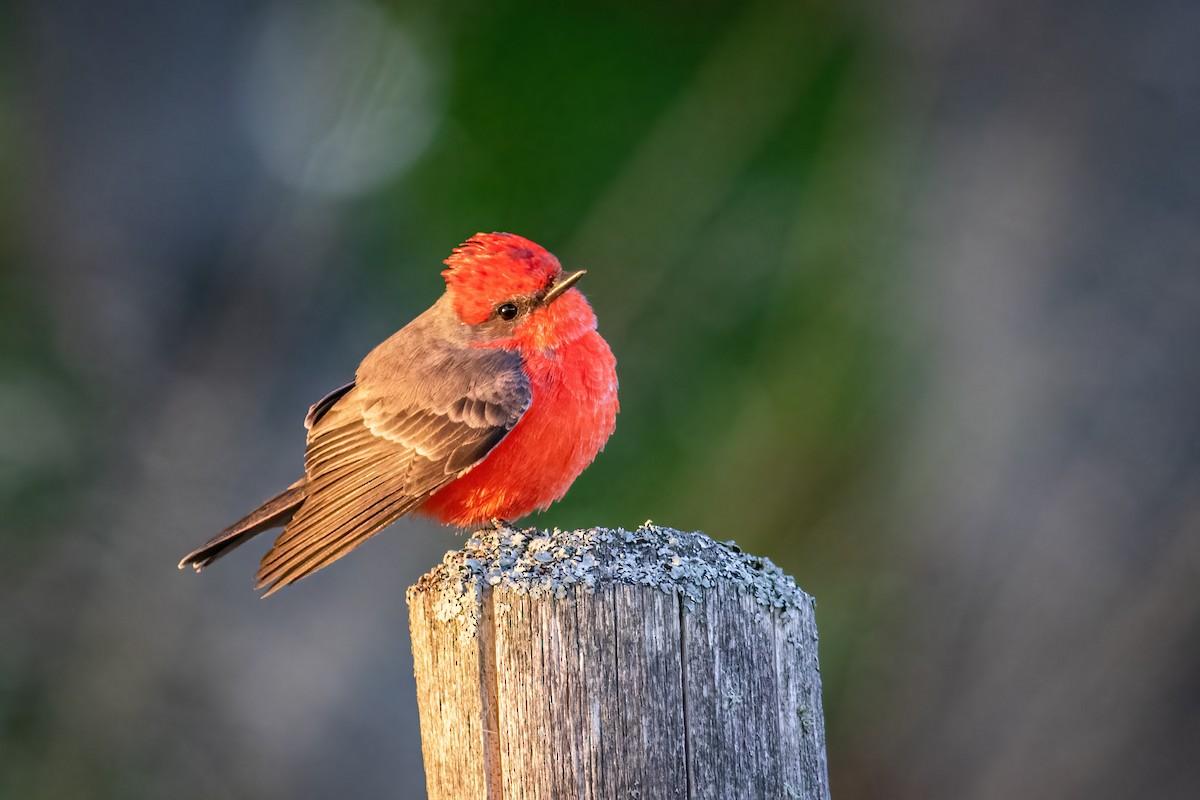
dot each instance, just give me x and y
(490, 268)
(514, 294)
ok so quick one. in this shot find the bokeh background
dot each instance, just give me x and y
(904, 295)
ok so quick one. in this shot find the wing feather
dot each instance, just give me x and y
(377, 452)
(331, 504)
(320, 542)
(316, 558)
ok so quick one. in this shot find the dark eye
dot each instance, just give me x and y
(506, 311)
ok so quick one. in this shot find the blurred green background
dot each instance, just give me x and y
(904, 296)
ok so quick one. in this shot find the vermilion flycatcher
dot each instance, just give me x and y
(485, 407)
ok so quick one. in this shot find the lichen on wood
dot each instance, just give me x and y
(606, 663)
(549, 563)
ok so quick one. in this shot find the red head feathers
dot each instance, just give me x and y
(490, 268)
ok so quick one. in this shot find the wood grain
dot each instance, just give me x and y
(615, 664)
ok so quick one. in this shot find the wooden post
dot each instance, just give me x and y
(615, 664)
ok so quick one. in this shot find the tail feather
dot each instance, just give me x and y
(274, 513)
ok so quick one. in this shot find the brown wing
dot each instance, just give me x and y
(319, 408)
(376, 454)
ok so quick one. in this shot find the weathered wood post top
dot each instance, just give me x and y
(615, 664)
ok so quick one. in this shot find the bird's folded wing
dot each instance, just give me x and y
(374, 456)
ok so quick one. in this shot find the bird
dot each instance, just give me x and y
(484, 408)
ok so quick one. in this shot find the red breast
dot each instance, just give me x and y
(572, 414)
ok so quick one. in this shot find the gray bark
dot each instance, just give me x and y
(615, 664)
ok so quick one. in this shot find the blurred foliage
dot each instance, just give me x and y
(901, 297)
(43, 402)
(721, 169)
(767, 351)
(758, 380)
